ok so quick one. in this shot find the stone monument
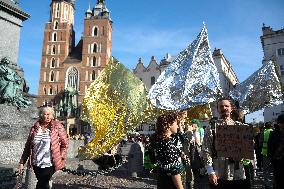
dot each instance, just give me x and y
(18, 111)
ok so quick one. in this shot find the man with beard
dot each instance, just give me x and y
(223, 172)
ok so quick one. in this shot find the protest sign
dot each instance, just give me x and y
(234, 141)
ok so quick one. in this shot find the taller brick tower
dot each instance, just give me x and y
(65, 66)
(59, 40)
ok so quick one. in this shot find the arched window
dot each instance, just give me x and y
(50, 90)
(72, 78)
(153, 80)
(95, 48)
(94, 61)
(44, 90)
(52, 65)
(51, 78)
(54, 36)
(93, 75)
(53, 49)
(66, 12)
(57, 10)
(55, 25)
(95, 31)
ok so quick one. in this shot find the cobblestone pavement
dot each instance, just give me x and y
(121, 180)
(115, 180)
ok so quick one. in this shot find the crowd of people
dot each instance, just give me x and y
(181, 151)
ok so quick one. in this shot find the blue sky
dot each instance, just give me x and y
(145, 28)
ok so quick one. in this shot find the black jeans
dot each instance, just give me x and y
(43, 176)
(164, 181)
(249, 175)
(230, 184)
(278, 167)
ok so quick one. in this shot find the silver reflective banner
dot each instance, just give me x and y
(191, 79)
(262, 89)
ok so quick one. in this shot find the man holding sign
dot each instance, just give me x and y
(225, 169)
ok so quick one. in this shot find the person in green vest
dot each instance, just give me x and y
(267, 166)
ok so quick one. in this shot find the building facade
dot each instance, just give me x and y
(66, 66)
(150, 74)
(227, 76)
(273, 48)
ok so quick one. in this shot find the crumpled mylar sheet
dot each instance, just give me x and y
(115, 104)
(262, 89)
(191, 79)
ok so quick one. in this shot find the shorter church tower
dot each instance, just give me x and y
(97, 43)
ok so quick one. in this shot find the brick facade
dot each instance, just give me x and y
(65, 65)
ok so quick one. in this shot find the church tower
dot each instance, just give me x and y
(68, 69)
(97, 43)
(59, 40)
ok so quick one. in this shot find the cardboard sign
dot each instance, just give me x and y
(234, 141)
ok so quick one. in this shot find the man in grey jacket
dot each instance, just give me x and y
(223, 172)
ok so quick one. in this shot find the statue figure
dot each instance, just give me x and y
(67, 104)
(11, 85)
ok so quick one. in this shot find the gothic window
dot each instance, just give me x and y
(57, 89)
(93, 75)
(53, 49)
(55, 25)
(95, 31)
(281, 52)
(95, 48)
(94, 61)
(66, 12)
(44, 90)
(54, 36)
(57, 10)
(72, 78)
(51, 78)
(50, 90)
(153, 80)
(52, 65)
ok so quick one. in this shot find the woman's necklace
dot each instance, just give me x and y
(44, 127)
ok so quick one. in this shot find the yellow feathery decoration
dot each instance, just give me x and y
(199, 112)
(114, 104)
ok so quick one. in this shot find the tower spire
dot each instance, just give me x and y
(101, 1)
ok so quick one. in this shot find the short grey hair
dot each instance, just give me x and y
(46, 109)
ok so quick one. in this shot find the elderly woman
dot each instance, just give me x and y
(46, 148)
